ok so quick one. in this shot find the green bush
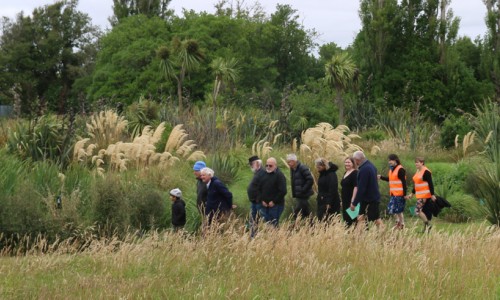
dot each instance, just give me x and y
(373, 134)
(111, 209)
(453, 126)
(147, 208)
(463, 208)
(225, 166)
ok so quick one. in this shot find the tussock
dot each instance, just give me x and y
(140, 153)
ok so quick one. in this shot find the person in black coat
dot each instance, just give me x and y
(271, 194)
(201, 188)
(302, 182)
(328, 199)
(178, 209)
(219, 198)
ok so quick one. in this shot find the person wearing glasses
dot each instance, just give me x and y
(272, 191)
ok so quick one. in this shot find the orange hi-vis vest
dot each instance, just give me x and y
(422, 190)
(395, 184)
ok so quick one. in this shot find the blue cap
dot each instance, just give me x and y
(199, 165)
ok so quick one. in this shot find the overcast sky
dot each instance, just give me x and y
(335, 20)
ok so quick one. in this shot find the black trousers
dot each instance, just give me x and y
(301, 208)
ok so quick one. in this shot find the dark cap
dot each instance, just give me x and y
(252, 159)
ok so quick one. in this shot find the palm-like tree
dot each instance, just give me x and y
(341, 75)
(185, 57)
(225, 71)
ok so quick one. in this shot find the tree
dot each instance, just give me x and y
(45, 54)
(341, 75)
(186, 57)
(126, 67)
(150, 8)
(225, 72)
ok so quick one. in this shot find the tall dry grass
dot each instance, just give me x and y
(320, 262)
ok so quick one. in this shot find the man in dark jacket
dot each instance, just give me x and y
(219, 198)
(178, 209)
(302, 182)
(201, 188)
(368, 194)
(272, 191)
(253, 189)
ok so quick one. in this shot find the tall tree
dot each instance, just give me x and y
(491, 56)
(45, 53)
(186, 57)
(341, 74)
(150, 8)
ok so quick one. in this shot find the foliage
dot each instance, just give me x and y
(44, 53)
(110, 206)
(463, 208)
(147, 208)
(44, 138)
(487, 126)
(126, 8)
(141, 114)
(226, 167)
(126, 66)
(325, 141)
(483, 184)
(451, 127)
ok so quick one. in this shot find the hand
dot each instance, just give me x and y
(234, 206)
(264, 204)
(433, 198)
(327, 206)
(378, 176)
(353, 207)
(271, 204)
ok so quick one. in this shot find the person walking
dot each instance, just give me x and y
(368, 194)
(424, 192)
(302, 182)
(349, 184)
(178, 209)
(272, 191)
(328, 200)
(219, 199)
(201, 188)
(253, 190)
(397, 189)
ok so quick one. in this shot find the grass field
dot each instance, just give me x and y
(321, 262)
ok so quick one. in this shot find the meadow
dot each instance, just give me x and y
(323, 261)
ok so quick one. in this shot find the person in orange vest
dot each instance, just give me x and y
(397, 189)
(424, 192)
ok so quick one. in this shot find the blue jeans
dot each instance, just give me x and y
(254, 212)
(272, 214)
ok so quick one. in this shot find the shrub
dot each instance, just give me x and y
(147, 208)
(463, 208)
(451, 127)
(225, 166)
(110, 207)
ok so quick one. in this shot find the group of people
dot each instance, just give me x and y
(268, 187)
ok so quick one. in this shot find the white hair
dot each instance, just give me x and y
(207, 171)
(291, 157)
(359, 155)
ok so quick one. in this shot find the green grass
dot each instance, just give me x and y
(325, 262)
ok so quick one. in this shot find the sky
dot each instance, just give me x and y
(335, 20)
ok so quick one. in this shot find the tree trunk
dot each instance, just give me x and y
(179, 88)
(340, 104)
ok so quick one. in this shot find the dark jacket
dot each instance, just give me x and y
(201, 193)
(219, 198)
(367, 184)
(328, 191)
(301, 181)
(253, 187)
(178, 213)
(272, 187)
(439, 204)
